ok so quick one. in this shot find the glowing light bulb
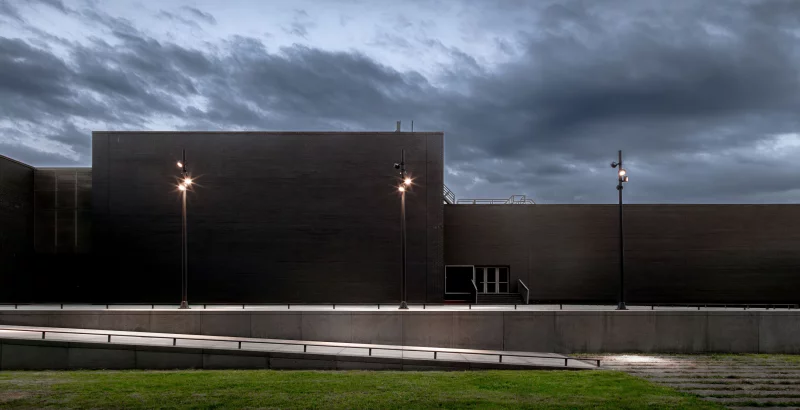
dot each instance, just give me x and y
(187, 181)
(407, 181)
(182, 187)
(622, 172)
(180, 164)
(401, 189)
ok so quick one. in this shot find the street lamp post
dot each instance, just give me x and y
(405, 183)
(183, 186)
(622, 177)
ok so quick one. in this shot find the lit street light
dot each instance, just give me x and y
(622, 177)
(401, 166)
(183, 186)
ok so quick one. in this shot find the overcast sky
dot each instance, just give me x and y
(534, 97)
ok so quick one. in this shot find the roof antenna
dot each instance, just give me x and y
(398, 126)
(412, 125)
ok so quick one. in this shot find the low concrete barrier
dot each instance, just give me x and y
(538, 331)
(21, 354)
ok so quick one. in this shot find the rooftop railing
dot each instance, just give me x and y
(449, 196)
(513, 199)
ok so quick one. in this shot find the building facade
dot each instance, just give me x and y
(314, 217)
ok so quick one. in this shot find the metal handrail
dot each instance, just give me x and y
(476, 290)
(111, 306)
(305, 344)
(449, 196)
(513, 199)
(527, 291)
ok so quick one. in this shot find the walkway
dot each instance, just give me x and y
(736, 381)
(305, 354)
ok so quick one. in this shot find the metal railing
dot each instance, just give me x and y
(289, 306)
(513, 199)
(449, 196)
(475, 287)
(305, 344)
(527, 291)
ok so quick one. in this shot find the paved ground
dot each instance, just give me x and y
(736, 381)
(426, 307)
(293, 346)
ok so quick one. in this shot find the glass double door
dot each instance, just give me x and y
(491, 279)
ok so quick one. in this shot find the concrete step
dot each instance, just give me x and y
(758, 401)
(42, 348)
(500, 299)
(745, 393)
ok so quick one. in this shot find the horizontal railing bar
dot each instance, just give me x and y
(65, 306)
(296, 343)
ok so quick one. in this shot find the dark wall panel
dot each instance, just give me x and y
(275, 217)
(673, 253)
(62, 262)
(16, 229)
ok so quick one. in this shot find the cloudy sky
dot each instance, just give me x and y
(534, 97)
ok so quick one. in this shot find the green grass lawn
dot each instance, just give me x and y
(335, 390)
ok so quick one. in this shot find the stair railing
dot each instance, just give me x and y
(449, 196)
(527, 291)
(475, 287)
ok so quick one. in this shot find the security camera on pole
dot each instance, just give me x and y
(183, 185)
(405, 184)
(622, 175)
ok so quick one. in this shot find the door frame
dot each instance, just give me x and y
(497, 282)
(445, 278)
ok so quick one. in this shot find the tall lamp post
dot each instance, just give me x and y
(183, 185)
(405, 184)
(622, 177)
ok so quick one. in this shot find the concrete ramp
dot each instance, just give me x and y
(48, 348)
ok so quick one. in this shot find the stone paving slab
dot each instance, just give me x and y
(706, 377)
(742, 381)
(762, 408)
(747, 393)
(733, 387)
(723, 382)
(758, 400)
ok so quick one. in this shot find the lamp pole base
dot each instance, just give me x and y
(184, 305)
(621, 306)
(403, 305)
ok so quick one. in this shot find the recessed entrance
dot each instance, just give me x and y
(491, 279)
(488, 279)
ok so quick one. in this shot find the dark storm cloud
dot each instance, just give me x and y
(688, 90)
(200, 15)
(56, 4)
(165, 15)
(188, 16)
(300, 24)
(8, 10)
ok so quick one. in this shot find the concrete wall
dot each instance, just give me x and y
(539, 331)
(276, 217)
(16, 229)
(20, 354)
(673, 253)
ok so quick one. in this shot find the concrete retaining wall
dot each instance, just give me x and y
(541, 331)
(20, 354)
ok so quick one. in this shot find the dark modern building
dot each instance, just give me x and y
(314, 217)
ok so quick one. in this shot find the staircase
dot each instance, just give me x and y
(500, 299)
